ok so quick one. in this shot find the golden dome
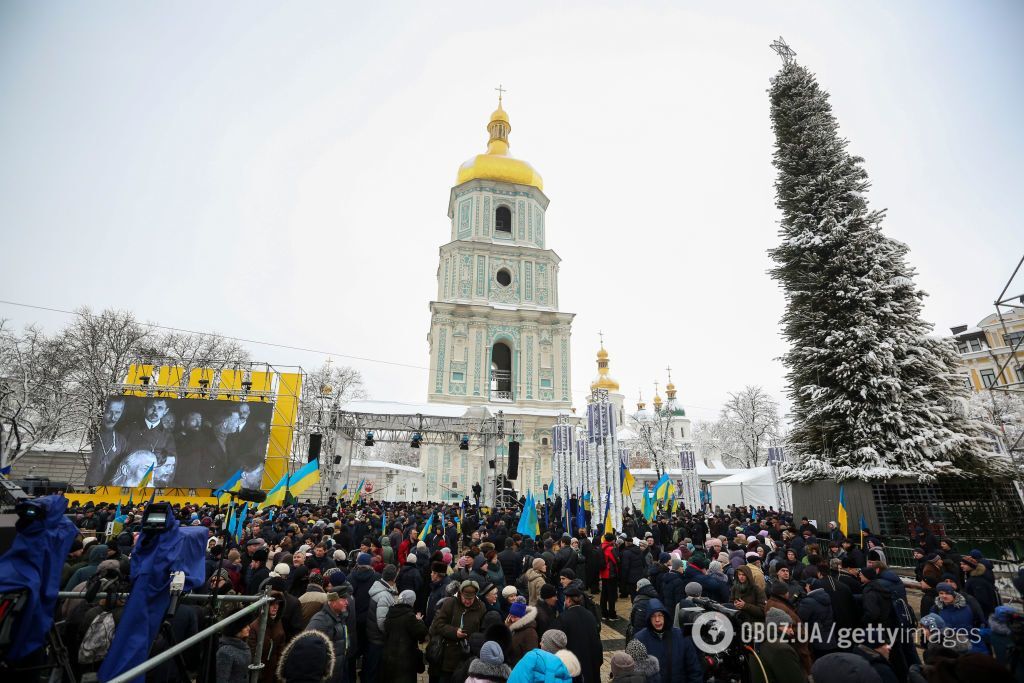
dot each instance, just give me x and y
(603, 379)
(496, 164)
(657, 398)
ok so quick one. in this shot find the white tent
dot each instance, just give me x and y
(752, 487)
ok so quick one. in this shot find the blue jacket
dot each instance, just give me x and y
(713, 588)
(672, 590)
(538, 666)
(959, 615)
(676, 655)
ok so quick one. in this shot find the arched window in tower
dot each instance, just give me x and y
(501, 372)
(503, 221)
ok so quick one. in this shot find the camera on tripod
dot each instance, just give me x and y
(728, 661)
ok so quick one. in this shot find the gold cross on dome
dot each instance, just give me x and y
(669, 370)
(501, 91)
(600, 335)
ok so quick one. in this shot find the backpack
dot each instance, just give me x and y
(903, 613)
(594, 609)
(98, 638)
(639, 610)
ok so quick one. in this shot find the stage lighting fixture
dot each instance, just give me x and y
(145, 379)
(464, 443)
(416, 439)
(337, 460)
(369, 439)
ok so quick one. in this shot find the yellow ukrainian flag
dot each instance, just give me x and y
(306, 476)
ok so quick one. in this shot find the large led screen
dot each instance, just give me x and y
(192, 443)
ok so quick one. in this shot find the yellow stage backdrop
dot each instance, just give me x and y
(281, 388)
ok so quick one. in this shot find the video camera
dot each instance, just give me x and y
(731, 663)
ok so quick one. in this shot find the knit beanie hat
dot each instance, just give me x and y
(547, 591)
(933, 622)
(390, 573)
(621, 662)
(491, 653)
(517, 609)
(777, 617)
(636, 650)
(510, 590)
(715, 566)
(677, 564)
(364, 559)
(281, 570)
(411, 559)
(945, 588)
(553, 640)
(339, 555)
(408, 597)
(693, 589)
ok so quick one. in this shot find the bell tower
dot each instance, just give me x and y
(497, 336)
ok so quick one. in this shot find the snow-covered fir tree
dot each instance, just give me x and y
(873, 395)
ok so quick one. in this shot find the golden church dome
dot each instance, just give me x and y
(496, 164)
(603, 379)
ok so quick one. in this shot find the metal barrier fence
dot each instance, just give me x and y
(259, 604)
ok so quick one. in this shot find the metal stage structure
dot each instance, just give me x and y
(475, 430)
(1010, 367)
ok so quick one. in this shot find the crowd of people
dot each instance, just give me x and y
(359, 595)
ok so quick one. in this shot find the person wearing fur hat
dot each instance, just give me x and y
(645, 664)
(508, 596)
(308, 658)
(522, 621)
(490, 666)
(404, 630)
(336, 620)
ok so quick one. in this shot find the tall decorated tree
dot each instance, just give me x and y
(874, 396)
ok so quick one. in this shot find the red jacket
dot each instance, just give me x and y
(404, 548)
(608, 548)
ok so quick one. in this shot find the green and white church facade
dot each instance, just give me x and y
(497, 337)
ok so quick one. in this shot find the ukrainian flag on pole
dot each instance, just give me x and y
(841, 513)
(661, 488)
(275, 496)
(648, 504)
(627, 480)
(306, 476)
(428, 527)
(233, 483)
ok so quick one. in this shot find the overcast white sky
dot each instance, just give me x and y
(281, 171)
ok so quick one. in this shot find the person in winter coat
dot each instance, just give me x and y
(978, 585)
(439, 580)
(273, 640)
(457, 619)
(746, 596)
(632, 567)
(779, 599)
(337, 621)
(313, 599)
(815, 609)
(96, 554)
(776, 657)
(383, 594)
(876, 652)
(539, 666)
(845, 612)
(547, 609)
(609, 575)
(876, 600)
(623, 669)
(784, 577)
(954, 610)
(308, 658)
(361, 579)
(522, 621)
(233, 654)
(645, 664)
(676, 654)
(488, 595)
(638, 613)
(582, 632)
(535, 579)
(672, 588)
(490, 666)
(404, 630)
(410, 576)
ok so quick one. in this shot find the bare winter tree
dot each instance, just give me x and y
(194, 351)
(750, 418)
(654, 439)
(38, 401)
(716, 440)
(1002, 414)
